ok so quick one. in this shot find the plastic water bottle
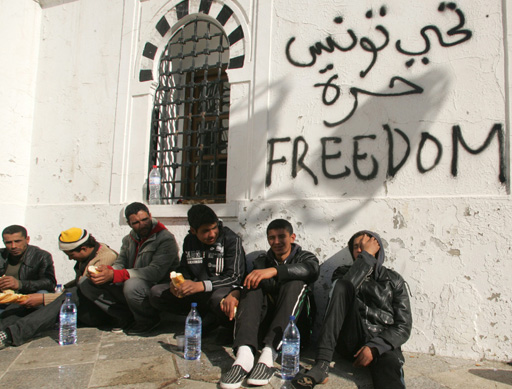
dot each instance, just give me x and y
(155, 180)
(59, 288)
(193, 334)
(67, 327)
(290, 351)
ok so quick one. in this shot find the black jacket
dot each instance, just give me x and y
(36, 270)
(382, 298)
(221, 264)
(300, 265)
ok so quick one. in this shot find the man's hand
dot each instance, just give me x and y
(363, 357)
(229, 304)
(34, 300)
(254, 278)
(9, 282)
(370, 245)
(104, 275)
(187, 288)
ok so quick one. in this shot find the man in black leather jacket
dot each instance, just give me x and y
(277, 288)
(368, 318)
(24, 268)
(213, 266)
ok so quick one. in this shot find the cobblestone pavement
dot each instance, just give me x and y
(102, 359)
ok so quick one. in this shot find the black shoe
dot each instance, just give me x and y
(233, 378)
(142, 328)
(260, 375)
(118, 327)
(5, 340)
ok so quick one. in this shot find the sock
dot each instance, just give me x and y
(244, 358)
(268, 356)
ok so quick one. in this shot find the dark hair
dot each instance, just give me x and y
(14, 229)
(351, 242)
(201, 214)
(278, 224)
(90, 242)
(134, 208)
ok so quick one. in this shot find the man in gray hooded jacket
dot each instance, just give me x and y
(368, 318)
(148, 254)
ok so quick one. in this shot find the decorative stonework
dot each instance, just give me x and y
(219, 11)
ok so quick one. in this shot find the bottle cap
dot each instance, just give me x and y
(292, 318)
(68, 294)
(193, 305)
(155, 166)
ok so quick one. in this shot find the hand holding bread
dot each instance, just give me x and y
(8, 296)
(177, 278)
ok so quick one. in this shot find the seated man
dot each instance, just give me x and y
(148, 254)
(80, 246)
(24, 268)
(368, 318)
(276, 288)
(213, 265)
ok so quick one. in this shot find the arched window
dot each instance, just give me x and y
(189, 128)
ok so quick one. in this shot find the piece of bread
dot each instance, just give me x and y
(8, 296)
(177, 278)
(93, 269)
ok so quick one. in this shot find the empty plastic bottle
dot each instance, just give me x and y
(155, 181)
(290, 351)
(67, 322)
(193, 334)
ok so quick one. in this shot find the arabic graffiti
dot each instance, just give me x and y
(452, 37)
(359, 156)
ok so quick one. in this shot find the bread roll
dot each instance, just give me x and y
(177, 278)
(93, 269)
(8, 296)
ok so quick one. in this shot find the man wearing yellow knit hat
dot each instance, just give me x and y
(82, 247)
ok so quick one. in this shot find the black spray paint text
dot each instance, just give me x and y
(331, 91)
(328, 157)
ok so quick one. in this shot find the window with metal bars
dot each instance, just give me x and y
(189, 127)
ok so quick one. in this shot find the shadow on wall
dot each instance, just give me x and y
(378, 162)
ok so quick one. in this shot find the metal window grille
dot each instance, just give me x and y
(189, 129)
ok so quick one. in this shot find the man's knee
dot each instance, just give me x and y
(294, 286)
(86, 286)
(156, 298)
(343, 288)
(136, 288)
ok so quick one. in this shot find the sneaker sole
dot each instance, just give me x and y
(256, 382)
(230, 386)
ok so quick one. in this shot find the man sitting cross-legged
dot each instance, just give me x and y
(78, 245)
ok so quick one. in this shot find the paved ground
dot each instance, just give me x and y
(102, 359)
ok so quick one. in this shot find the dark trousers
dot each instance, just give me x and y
(262, 318)
(24, 325)
(124, 302)
(343, 331)
(162, 299)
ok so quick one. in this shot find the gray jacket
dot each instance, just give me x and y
(153, 258)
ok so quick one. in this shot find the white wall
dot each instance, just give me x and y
(445, 228)
(19, 28)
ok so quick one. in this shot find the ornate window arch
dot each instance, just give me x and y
(187, 64)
